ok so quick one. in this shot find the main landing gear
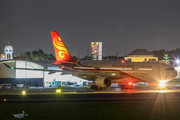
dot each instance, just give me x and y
(95, 87)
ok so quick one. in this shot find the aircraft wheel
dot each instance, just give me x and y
(92, 86)
(97, 88)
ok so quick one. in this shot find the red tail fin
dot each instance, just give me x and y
(62, 55)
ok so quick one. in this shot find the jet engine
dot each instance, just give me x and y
(103, 81)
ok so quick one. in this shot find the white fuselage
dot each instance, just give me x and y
(139, 71)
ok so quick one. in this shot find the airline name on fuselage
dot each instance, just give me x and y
(131, 66)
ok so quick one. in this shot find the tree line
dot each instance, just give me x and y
(37, 55)
(40, 55)
(173, 54)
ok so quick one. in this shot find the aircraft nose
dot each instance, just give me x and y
(175, 73)
(169, 73)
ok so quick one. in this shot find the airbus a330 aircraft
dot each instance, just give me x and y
(103, 73)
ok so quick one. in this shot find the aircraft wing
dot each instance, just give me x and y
(31, 69)
(63, 71)
(50, 71)
(85, 74)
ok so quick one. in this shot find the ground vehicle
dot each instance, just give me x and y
(6, 86)
(20, 86)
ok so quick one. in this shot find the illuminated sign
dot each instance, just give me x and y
(100, 51)
(96, 50)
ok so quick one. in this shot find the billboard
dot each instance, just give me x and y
(96, 50)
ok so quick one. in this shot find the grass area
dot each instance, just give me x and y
(123, 110)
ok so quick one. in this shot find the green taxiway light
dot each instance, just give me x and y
(12, 68)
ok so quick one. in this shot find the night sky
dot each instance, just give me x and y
(121, 25)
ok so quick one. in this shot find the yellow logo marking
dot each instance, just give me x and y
(57, 42)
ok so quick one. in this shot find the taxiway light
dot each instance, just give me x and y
(4, 99)
(58, 90)
(23, 92)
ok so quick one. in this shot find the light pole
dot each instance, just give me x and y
(106, 53)
(178, 61)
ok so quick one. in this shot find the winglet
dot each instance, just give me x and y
(8, 66)
(61, 52)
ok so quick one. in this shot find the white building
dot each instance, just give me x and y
(33, 77)
(8, 50)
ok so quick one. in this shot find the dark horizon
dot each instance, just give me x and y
(121, 25)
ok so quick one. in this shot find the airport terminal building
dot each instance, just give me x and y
(15, 76)
(33, 77)
(36, 78)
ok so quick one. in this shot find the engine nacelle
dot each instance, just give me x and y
(103, 81)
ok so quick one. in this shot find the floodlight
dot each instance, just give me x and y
(177, 61)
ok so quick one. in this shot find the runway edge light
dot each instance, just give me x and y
(58, 90)
(23, 92)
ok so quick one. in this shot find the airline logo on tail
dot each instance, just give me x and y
(62, 55)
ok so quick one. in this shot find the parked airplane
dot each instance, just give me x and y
(103, 73)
